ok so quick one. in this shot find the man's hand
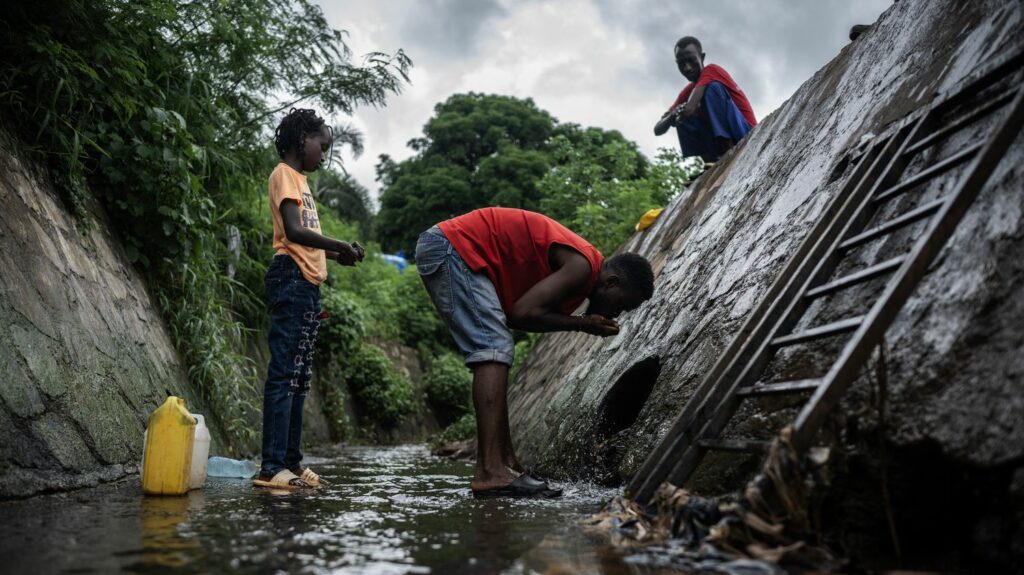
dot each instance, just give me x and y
(595, 324)
(691, 107)
(668, 120)
(349, 254)
(676, 119)
(687, 110)
(684, 112)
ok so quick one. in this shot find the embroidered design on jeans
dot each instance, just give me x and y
(303, 371)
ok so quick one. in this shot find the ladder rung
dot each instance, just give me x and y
(894, 224)
(822, 331)
(928, 173)
(856, 278)
(779, 388)
(741, 445)
(966, 119)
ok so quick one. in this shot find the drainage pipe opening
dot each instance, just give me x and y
(617, 413)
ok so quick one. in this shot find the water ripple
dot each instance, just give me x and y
(387, 511)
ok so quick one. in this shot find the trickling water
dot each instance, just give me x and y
(388, 510)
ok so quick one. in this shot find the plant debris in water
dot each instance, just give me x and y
(758, 531)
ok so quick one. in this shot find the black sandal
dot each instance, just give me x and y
(525, 486)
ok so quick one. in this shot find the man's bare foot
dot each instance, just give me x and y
(483, 480)
(523, 486)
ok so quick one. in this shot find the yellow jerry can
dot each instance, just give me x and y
(167, 457)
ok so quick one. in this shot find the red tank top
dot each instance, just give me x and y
(511, 247)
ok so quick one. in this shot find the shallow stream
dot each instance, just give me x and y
(388, 510)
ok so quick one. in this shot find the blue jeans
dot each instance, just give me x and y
(466, 300)
(718, 118)
(294, 321)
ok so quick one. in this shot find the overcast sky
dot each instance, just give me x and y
(602, 63)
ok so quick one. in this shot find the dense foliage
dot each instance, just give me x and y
(464, 428)
(599, 188)
(159, 110)
(383, 394)
(392, 306)
(372, 302)
(449, 386)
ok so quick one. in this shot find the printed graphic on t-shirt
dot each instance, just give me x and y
(310, 219)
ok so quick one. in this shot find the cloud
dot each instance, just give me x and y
(769, 46)
(605, 63)
(447, 29)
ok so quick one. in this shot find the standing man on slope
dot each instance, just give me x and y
(711, 113)
(497, 269)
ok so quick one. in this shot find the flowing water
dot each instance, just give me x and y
(388, 510)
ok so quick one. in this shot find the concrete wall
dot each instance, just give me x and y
(84, 354)
(955, 352)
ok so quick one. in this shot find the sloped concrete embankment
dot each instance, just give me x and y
(84, 353)
(954, 356)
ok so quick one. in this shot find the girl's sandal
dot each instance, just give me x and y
(284, 479)
(309, 477)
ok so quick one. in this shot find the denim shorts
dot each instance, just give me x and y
(466, 300)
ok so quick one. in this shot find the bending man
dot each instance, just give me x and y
(497, 269)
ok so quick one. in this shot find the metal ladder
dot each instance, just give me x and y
(807, 277)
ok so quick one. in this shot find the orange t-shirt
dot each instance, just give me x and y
(286, 183)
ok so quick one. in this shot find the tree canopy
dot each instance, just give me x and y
(487, 150)
(476, 150)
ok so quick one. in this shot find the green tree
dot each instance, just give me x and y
(586, 162)
(485, 150)
(602, 185)
(477, 150)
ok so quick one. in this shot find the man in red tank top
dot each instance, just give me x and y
(497, 269)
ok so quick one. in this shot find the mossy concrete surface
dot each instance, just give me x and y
(84, 354)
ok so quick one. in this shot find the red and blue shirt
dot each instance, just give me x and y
(715, 73)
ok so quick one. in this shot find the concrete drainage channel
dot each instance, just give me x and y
(617, 413)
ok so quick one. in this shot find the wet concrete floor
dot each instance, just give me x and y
(388, 510)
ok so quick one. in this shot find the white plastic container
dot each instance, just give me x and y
(200, 452)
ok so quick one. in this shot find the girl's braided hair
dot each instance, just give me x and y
(291, 132)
